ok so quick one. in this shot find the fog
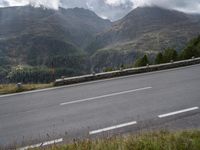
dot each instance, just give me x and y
(111, 9)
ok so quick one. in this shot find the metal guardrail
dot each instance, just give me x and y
(125, 72)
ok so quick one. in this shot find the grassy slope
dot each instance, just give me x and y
(11, 88)
(163, 140)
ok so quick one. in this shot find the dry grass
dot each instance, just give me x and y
(163, 140)
(12, 88)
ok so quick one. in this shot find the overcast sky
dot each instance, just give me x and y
(111, 9)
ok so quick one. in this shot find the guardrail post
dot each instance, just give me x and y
(62, 77)
(93, 73)
(19, 85)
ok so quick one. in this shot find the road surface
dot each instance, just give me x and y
(155, 100)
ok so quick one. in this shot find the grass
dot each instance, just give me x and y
(162, 140)
(12, 88)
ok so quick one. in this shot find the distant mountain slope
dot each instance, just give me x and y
(77, 39)
(76, 25)
(33, 36)
(144, 30)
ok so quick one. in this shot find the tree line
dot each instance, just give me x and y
(192, 50)
(26, 74)
(46, 74)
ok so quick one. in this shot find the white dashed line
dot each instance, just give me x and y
(42, 144)
(178, 112)
(104, 96)
(112, 128)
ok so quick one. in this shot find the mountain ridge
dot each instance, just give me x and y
(144, 30)
(25, 31)
(77, 39)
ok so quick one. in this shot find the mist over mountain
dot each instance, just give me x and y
(111, 9)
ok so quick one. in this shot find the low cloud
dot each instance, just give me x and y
(189, 6)
(117, 2)
(112, 9)
(53, 4)
(115, 9)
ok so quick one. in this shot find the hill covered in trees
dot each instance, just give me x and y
(38, 38)
(146, 30)
(191, 50)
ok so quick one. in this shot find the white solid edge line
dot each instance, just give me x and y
(97, 81)
(42, 144)
(178, 112)
(112, 128)
(104, 96)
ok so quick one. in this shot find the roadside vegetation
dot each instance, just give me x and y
(42, 76)
(28, 74)
(12, 88)
(192, 50)
(163, 140)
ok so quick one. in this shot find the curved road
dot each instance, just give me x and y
(160, 99)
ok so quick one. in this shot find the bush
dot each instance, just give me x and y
(159, 58)
(192, 49)
(142, 61)
(170, 54)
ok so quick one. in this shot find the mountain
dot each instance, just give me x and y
(74, 41)
(143, 30)
(39, 36)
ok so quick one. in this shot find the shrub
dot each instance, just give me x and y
(142, 61)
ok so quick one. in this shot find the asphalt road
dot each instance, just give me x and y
(164, 99)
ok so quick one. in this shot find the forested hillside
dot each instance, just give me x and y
(35, 38)
(192, 50)
(146, 30)
(39, 45)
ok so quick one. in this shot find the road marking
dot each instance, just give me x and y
(178, 112)
(104, 96)
(41, 144)
(112, 128)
